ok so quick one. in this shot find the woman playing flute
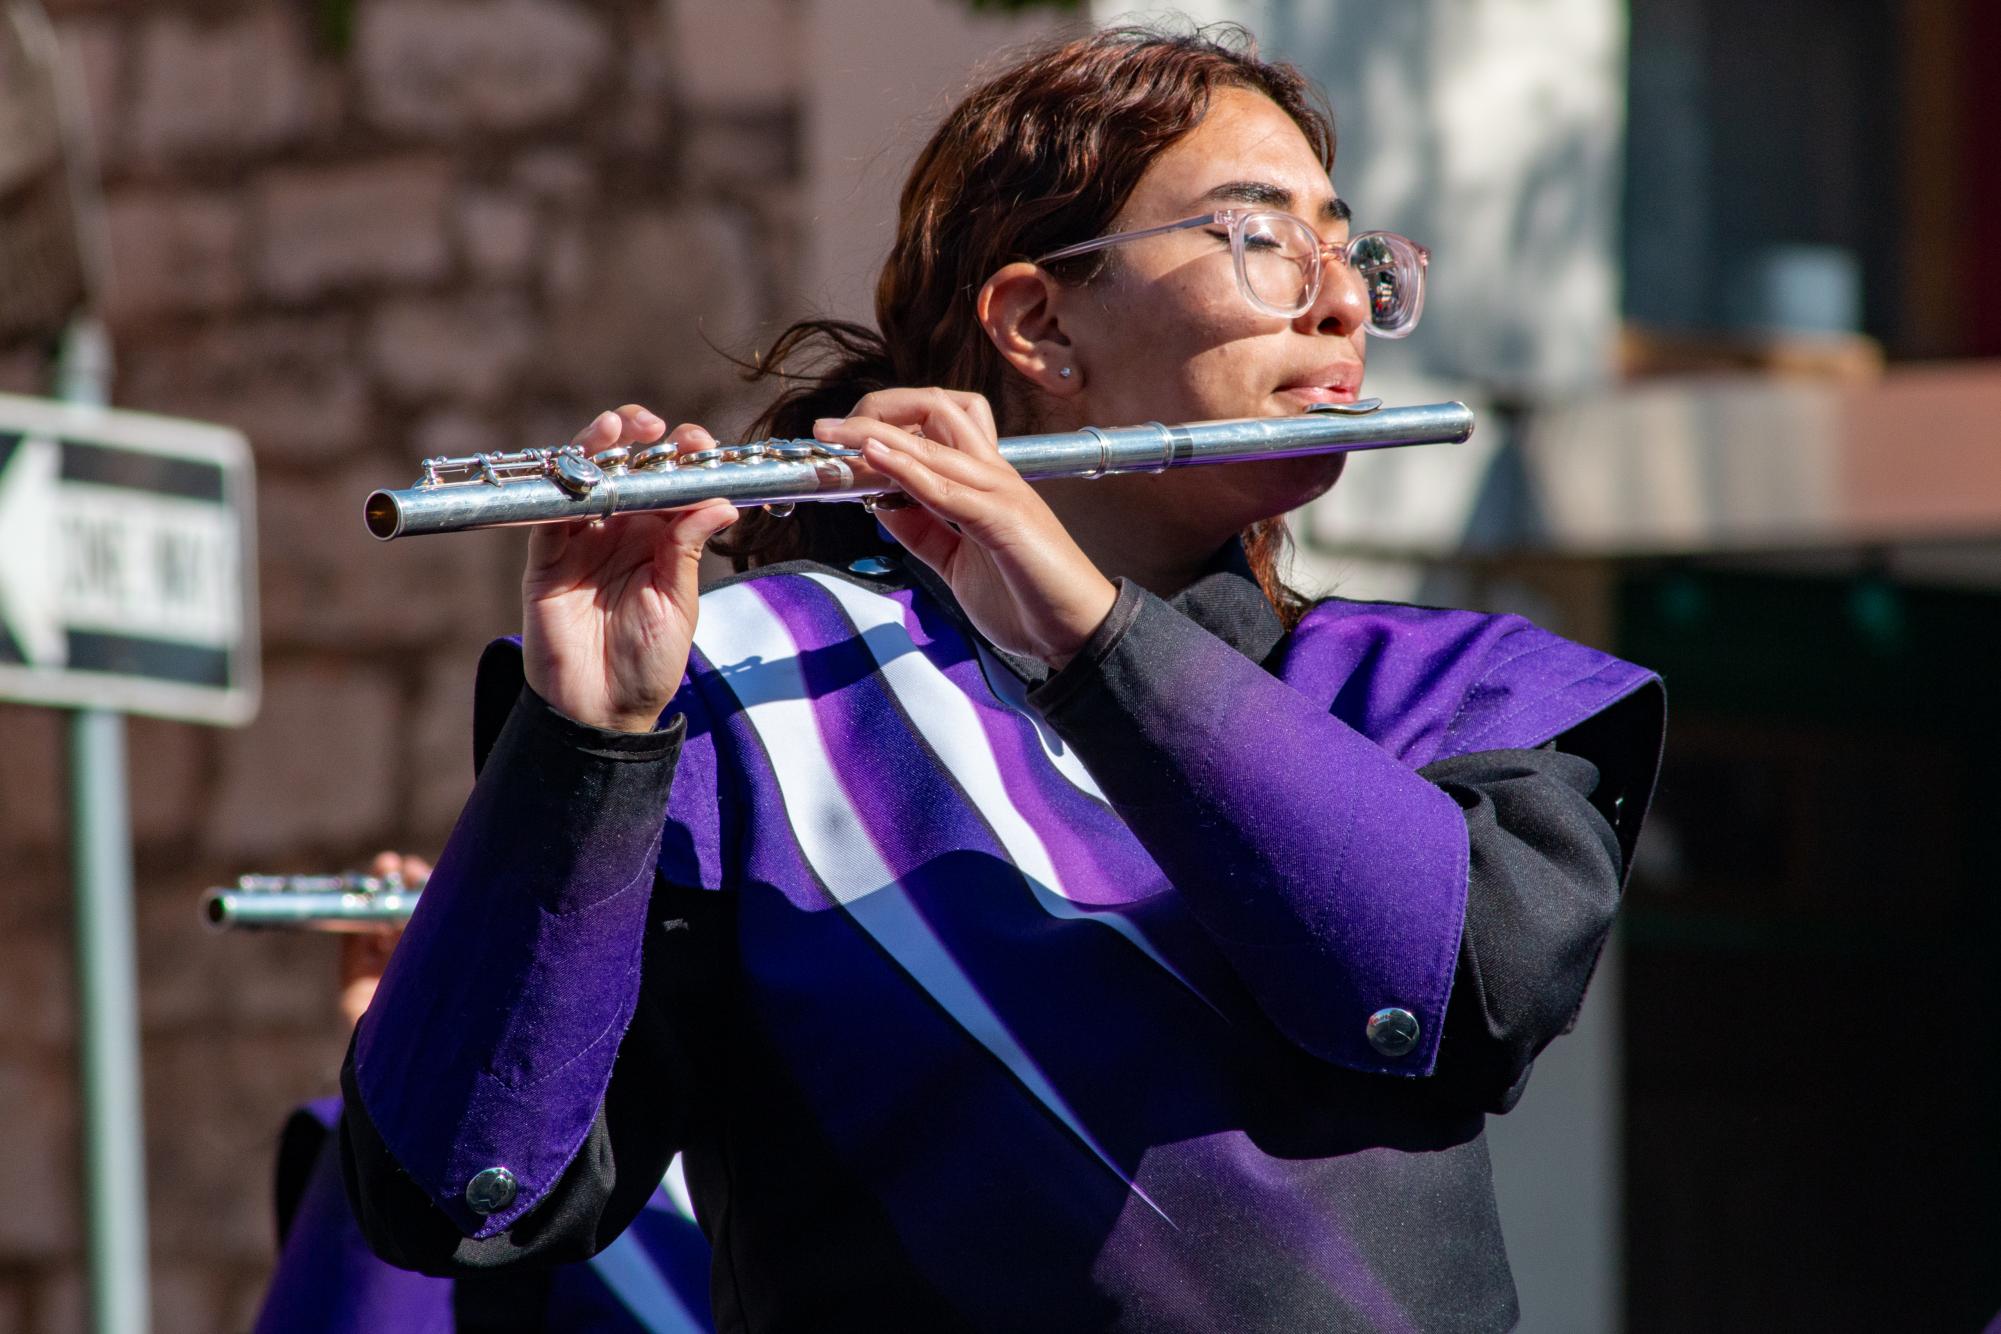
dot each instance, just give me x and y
(1022, 911)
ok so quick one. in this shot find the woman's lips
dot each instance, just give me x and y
(1337, 383)
(1313, 393)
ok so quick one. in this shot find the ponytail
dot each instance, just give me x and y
(842, 362)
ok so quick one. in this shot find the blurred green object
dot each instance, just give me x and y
(1682, 600)
(333, 26)
(1877, 612)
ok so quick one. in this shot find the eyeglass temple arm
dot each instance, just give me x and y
(1120, 238)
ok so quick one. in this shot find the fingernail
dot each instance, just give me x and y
(646, 418)
(823, 425)
(875, 444)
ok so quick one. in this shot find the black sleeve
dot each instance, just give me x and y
(299, 1146)
(653, 1100)
(1551, 834)
(652, 1093)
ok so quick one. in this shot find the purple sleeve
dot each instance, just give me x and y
(1330, 873)
(326, 1276)
(490, 1041)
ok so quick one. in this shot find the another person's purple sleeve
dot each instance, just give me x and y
(326, 1277)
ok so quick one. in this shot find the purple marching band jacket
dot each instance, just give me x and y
(652, 1280)
(1166, 992)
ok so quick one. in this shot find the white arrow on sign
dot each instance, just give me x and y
(81, 556)
(28, 580)
(127, 572)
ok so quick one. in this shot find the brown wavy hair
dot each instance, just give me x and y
(1041, 155)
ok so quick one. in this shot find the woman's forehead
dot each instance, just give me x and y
(1244, 139)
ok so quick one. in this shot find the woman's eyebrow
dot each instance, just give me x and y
(1275, 196)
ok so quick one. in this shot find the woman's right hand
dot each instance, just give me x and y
(608, 610)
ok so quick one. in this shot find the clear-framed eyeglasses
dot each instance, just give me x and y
(1281, 262)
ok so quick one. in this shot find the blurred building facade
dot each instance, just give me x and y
(363, 232)
(1731, 325)
(1718, 279)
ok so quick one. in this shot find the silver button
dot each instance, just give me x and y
(491, 1191)
(1393, 1032)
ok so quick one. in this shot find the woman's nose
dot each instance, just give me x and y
(1342, 304)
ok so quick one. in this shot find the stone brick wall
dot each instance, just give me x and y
(361, 232)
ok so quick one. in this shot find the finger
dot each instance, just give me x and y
(386, 863)
(416, 868)
(548, 541)
(938, 455)
(601, 433)
(364, 956)
(689, 437)
(933, 488)
(639, 425)
(957, 411)
(694, 526)
(373, 956)
(962, 419)
(687, 531)
(923, 534)
(903, 406)
(678, 547)
(981, 412)
(965, 431)
(355, 997)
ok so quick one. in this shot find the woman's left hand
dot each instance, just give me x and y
(1020, 576)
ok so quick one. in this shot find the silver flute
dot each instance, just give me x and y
(350, 901)
(552, 485)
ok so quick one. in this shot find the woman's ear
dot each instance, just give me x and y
(1017, 308)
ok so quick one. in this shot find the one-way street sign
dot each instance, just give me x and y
(127, 575)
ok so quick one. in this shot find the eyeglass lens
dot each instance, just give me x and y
(1281, 268)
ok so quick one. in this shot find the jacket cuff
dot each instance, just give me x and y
(491, 1037)
(1087, 665)
(1332, 875)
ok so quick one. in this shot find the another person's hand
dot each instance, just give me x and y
(608, 610)
(1020, 576)
(364, 954)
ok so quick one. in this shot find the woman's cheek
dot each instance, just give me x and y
(1233, 379)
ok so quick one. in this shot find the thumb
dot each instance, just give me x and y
(686, 532)
(547, 542)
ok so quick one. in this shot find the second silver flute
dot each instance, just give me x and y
(552, 485)
(349, 901)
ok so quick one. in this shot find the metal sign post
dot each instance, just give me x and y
(107, 970)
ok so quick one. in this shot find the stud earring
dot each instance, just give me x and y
(1064, 372)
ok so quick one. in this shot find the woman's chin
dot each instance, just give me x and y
(1295, 482)
(1273, 487)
